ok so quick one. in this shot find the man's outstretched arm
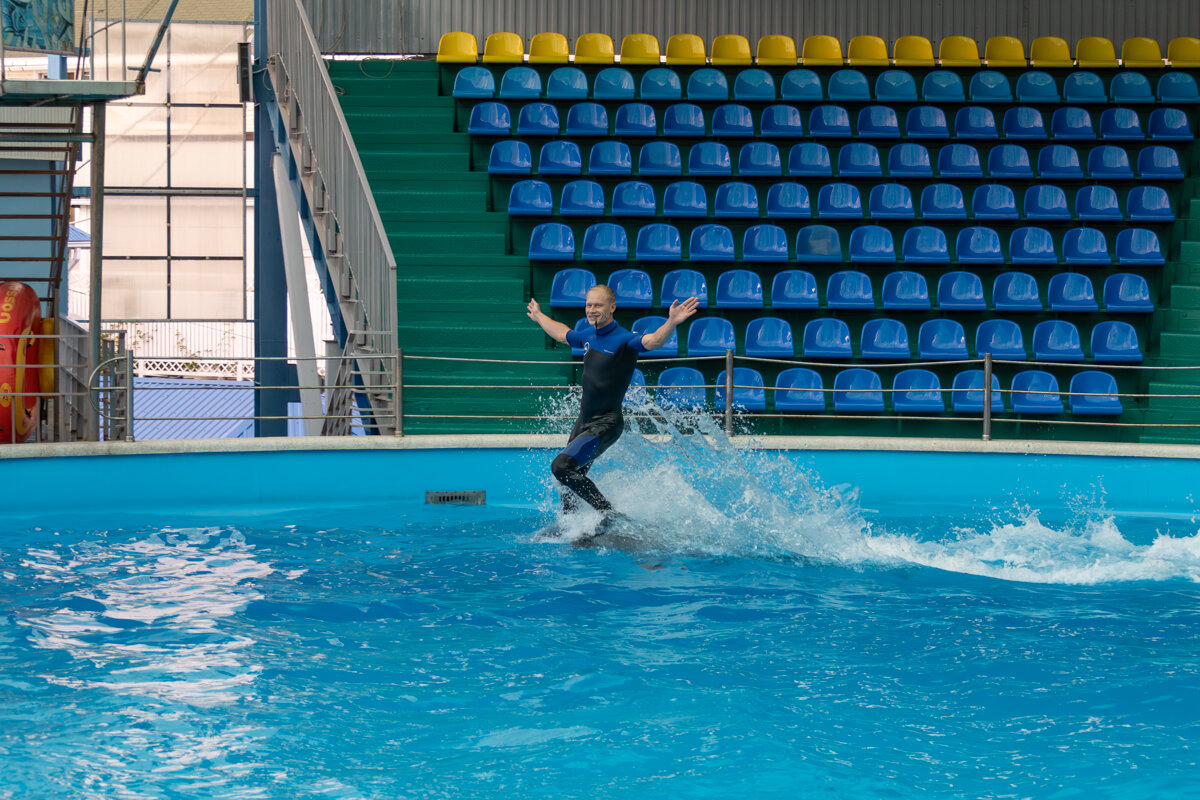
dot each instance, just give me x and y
(677, 314)
(554, 329)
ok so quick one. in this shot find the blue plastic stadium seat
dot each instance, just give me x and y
(799, 389)
(966, 393)
(748, 392)
(801, 84)
(759, 158)
(1158, 162)
(709, 158)
(818, 244)
(782, 122)
(567, 83)
(1149, 204)
(1121, 124)
(848, 84)
(993, 201)
(1094, 392)
(685, 199)
(660, 157)
(659, 241)
(885, 339)
(651, 324)
(1046, 201)
(711, 243)
(765, 243)
(810, 159)
(849, 289)
(636, 120)
(605, 241)
(978, 244)
(680, 284)
(754, 85)
(1126, 293)
(794, 288)
(474, 83)
(959, 290)
(827, 337)
(925, 244)
(708, 84)
(839, 201)
(769, 337)
(859, 160)
(684, 121)
(829, 122)
(1084, 87)
(1036, 86)
(975, 122)
(1072, 291)
(1085, 246)
(917, 391)
(1072, 123)
(1056, 340)
(587, 119)
(896, 85)
(905, 290)
(490, 119)
(872, 244)
(943, 86)
(710, 336)
(1115, 341)
(632, 199)
(926, 122)
(632, 288)
(1059, 161)
(959, 161)
(990, 86)
(1023, 123)
(1178, 87)
(613, 83)
(1016, 291)
(1009, 161)
(1169, 124)
(610, 158)
(530, 198)
(661, 83)
(1130, 87)
(1035, 391)
(1097, 202)
(1139, 246)
(538, 119)
(1000, 337)
(890, 201)
(878, 122)
(942, 201)
(520, 83)
(559, 157)
(736, 199)
(636, 396)
(788, 201)
(858, 389)
(1031, 245)
(739, 288)
(909, 160)
(569, 287)
(732, 120)
(552, 241)
(1109, 161)
(681, 387)
(581, 327)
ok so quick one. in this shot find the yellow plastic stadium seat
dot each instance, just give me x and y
(820, 50)
(913, 51)
(1050, 51)
(457, 48)
(1184, 51)
(1004, 51)
(594, 48)
(503, 48)
(548, 48)
(685, 48)
(1139, 51)
(1095, 51)
(639, 48)
(867, 51)
(732, 48)
(958, 51)
(776, 49)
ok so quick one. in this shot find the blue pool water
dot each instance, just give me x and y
(772, 637)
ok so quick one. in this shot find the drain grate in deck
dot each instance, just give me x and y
(468, 497)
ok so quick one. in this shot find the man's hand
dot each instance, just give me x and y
(534, 309)
(681, 311)
(555, 330)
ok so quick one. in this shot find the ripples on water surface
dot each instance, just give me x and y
(774, 640)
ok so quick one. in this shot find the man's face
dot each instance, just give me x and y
(598, 308)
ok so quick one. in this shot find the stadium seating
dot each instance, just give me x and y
(794, 288)
(917, 391)
(748, 392)
(681, 388)
(583, 198)
(1035, 391)
(769, 337)
(1094, 392)
(799, 389)
(710, 336)
(885, 339)
(739, 288)
(858, 389)
(967, 393)
(827, 337)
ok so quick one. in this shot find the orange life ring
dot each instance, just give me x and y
(20, 319)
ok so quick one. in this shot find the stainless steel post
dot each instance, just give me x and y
(129, 395)
(729, 393)
(95, 321)
(399, 396)
(987, 397)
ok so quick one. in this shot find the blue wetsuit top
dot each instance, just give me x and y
(610, 355)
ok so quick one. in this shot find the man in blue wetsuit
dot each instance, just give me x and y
(610, 354)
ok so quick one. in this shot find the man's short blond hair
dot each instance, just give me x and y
(609, 296)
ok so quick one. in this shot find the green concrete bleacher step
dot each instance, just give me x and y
(386, 120)
(428, 199)
(439, 290)
(1184, 296)
(1179, 347)
(468, 334)
(462, 242)
(383, 162)
(1179, 387)
(483, 265)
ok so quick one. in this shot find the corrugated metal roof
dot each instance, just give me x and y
(78, 236)
(183, 397)
(186, 11)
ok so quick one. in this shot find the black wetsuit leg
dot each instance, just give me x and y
(570, 467)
